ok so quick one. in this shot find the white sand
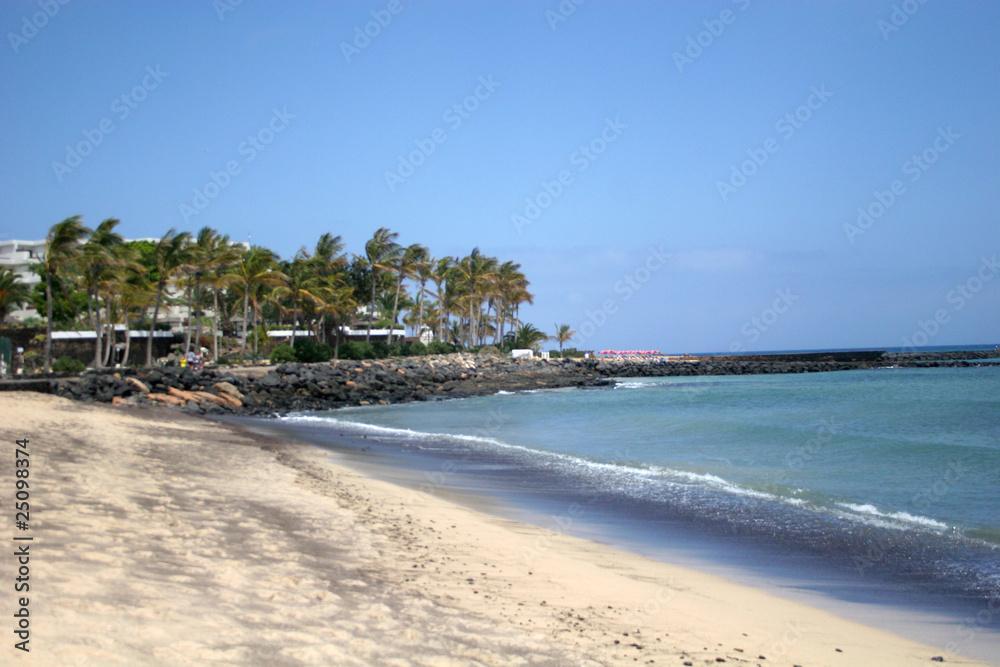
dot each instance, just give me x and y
(164, 539)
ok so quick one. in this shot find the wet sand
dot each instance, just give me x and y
(161, 538)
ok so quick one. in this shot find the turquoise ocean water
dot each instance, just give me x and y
(884, 477)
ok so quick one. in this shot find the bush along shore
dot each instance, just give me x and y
(288, 387)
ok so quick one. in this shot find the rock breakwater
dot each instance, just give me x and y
(291, 387)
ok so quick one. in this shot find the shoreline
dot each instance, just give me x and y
(289, 387)
(175, 539)
(859, 572)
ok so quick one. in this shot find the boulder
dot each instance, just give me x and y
(166, 399)
(138, 384)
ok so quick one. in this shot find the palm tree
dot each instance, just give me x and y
(329, 255)
(405, 265)
(170, 259)
(118, 290)
(527, 336)
(511, 290)
(95, 260)
(563, 335)
(328, 262)
(13, 292)
(339, 304)
(135, 295)
(253, 272)
(61, 245)
(302, 285)
(209, 252)
(217, 278)
(423, 271)
(475, 274)
(380, 251)
(439, 274)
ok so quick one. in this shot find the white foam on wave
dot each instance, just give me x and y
(886, 518)
(714, 481)
(624, 473)
(921, 520)
(404, 434)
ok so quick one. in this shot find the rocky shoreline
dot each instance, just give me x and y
(269, 391)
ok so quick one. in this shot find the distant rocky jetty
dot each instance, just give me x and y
(289, 387)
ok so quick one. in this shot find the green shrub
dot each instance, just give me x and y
(282, 354)
(568, 353)
(353, 349)
(437, 347)
(489, 351)
(309, 352)
(417, 348)
(380, 349)
(66, 364)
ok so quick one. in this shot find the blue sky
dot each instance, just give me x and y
(677, 176)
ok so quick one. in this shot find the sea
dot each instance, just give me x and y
(872, 493)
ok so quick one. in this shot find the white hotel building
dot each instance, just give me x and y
(18, 256)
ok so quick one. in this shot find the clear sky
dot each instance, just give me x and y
(682, 176)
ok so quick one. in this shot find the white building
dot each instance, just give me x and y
(18, 256)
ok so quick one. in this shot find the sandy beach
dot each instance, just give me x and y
(162, 538)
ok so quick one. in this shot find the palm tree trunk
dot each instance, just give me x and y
(246, 314)
(371, 310)
(295, 319)
(215, 325)
(197, 305)
(48, 321)
(111, 343)
(187, 329)
(336, 338)
(152, 325)
(256, 333)
(95, 320)
(128, 342)
(420, 309)
(395, 307)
